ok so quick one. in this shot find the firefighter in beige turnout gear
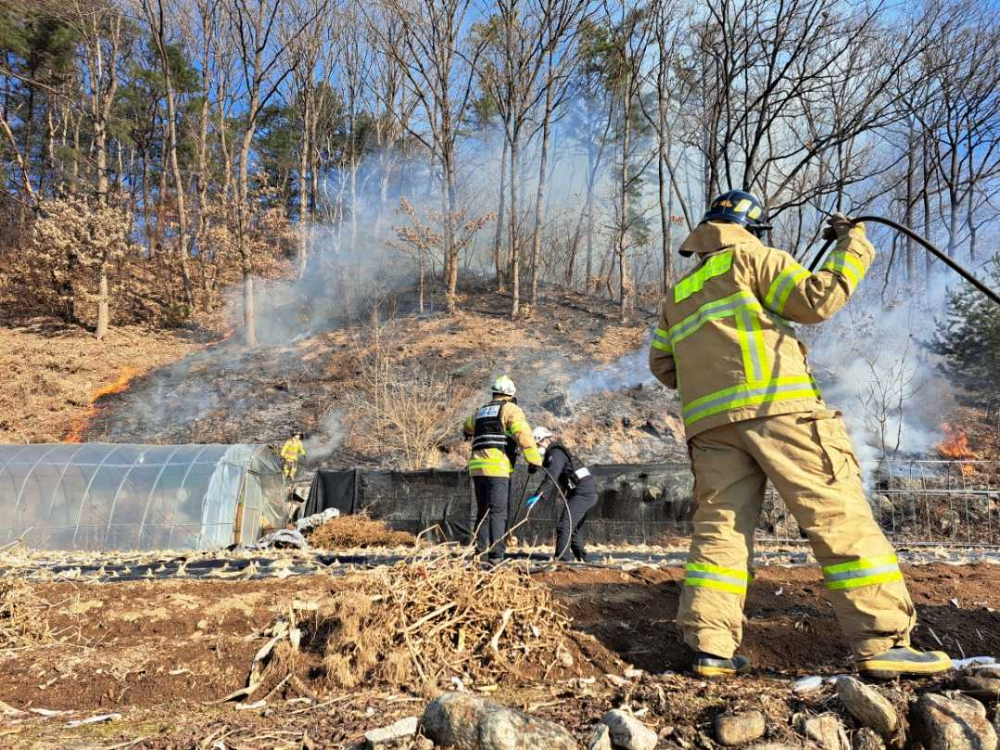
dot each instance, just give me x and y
(752, 413)
(498, 431)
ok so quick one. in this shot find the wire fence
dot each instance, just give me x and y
(923, 502)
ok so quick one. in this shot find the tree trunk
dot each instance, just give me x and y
(182, 217)
(103, 309)
(911, 166)
(304, 147)
(515, 249)
(451, 251)
(625, 284)
(589, 209)
(536, 240)
(498, 261)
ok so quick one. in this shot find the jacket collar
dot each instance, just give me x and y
(713, 236)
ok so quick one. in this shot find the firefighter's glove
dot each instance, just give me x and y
(532, 468)
(533, 500)
(840, 225)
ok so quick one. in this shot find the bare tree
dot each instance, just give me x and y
(438, 59)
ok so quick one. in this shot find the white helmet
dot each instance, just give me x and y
(540, 434)
(505, 385)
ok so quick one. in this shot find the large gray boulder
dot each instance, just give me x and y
(467, 722)
(954, 723)
(868, 706)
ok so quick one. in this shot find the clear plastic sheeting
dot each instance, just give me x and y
(96, 496)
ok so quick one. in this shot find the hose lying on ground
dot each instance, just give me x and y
(951, 263)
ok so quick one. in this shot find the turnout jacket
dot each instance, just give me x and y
(292, 450)
(725, 338)
(498, 429)
(563, 467)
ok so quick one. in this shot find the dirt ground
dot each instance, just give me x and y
(163, 653)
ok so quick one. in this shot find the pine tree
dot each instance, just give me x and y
(969, 338)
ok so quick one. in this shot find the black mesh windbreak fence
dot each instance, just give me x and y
(915, 502)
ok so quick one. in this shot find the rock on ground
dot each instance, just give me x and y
(867, 705)
(627, 732)
(467, 722)
(601, 739)
(982, 686)
(867, 739)
(403, 728)
(954, 723)
(740, 728)
(827, 731)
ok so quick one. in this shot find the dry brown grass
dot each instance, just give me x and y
(49, 373)
(22, 615)
(420, 623)
(358, 530)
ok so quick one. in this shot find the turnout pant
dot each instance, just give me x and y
(809, 459)
(491, 515)
(569, 528)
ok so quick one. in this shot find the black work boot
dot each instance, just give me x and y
(903, 661)
(707, 665)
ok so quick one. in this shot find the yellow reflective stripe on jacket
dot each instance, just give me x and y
(533, 456)
(864, 572)
(782, 286)
(661, 340)
(776, 389)
(516, 427)
(492, 462)
(716, 577)
(847, 265)
(715, 310)
(755, 363)
(716, 265)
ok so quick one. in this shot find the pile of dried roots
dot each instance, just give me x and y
(22, 615)
(418, 624)
(358, 530)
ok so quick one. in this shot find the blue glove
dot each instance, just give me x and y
(532, 500)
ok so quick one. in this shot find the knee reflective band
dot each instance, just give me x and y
(777, 295)
(778, 389)
(714, 577)
(864, 572)
(716, 265)
(847, 265)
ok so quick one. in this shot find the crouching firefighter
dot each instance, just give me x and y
(752, 412)
(498, 430)
(568, 483)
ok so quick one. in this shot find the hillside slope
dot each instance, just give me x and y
(177, 390)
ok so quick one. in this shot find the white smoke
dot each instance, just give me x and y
(327, 438)
(627, 372)
(873, 363)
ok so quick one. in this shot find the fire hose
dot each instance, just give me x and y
(902, 229)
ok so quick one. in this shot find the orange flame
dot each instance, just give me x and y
(78, 425)
(956, 445)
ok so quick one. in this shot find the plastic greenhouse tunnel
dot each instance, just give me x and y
(95, 496)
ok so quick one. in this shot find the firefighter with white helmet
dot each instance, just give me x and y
(752, 413)
(569, 484)
(499, 430)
